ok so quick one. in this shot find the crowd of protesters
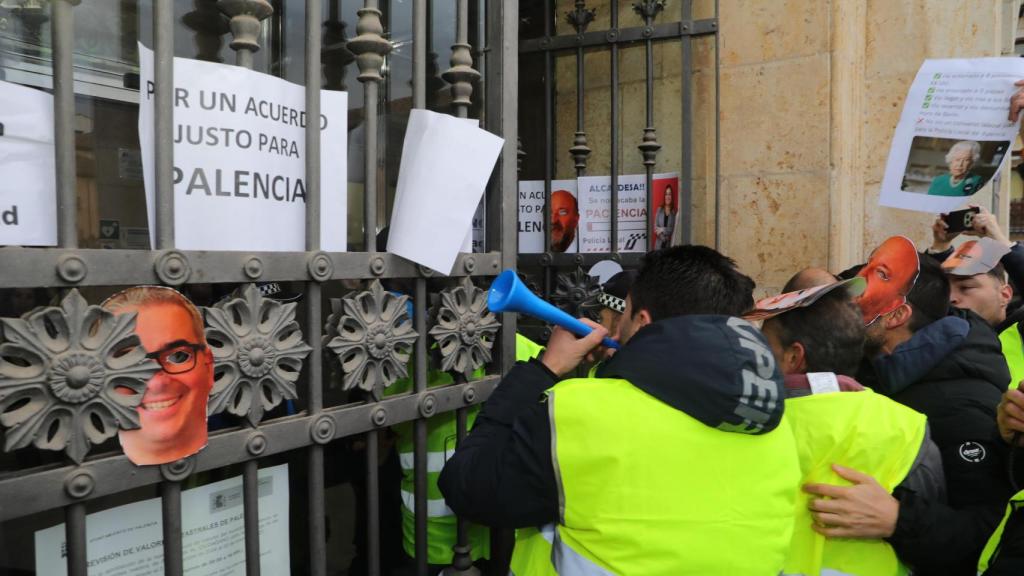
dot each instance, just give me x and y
(864, 422)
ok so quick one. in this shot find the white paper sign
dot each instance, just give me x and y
(28, 189)
(596, 217)
(531, 216)
(239, 159)
(953, 134)
(128, 540)
(446, 162)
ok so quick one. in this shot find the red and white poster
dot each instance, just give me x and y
(664, 209)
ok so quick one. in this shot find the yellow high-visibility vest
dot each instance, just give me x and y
(1013, 351)
(646, 489)
(991, 549)
(864, 431)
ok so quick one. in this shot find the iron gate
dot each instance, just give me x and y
(562, 277)
(72, 480)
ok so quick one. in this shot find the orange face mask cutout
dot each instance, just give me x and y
(890, 274)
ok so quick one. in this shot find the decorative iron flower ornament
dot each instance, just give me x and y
(375, 338)
(464, 328)
(257, 352)
(574, 289)
(70, 376)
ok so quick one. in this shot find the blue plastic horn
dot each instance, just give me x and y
(508, 294)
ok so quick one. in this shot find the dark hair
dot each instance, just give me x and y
(831, 331)
(690, 280)
(998, 272)
(929, 298)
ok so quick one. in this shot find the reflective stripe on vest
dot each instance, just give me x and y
(1013, 351)
(435, 461)
(864, 431)
(991, 550)
(435, 508)
(665, 495)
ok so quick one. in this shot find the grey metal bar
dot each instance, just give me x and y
(599, 38)
(315, 454)
(163, 129)
(372, 505)
(63, 31)
(718, 141)
(420, 431)
(549, 146)
(613, 89)
(251, 503)
(170, 502)
(419, 100)
(29, 267)
(114, 473)
(649, 146)
(685, 204)
(580, 18)
(317, 508)
(75, 541)
(370, 56)
(463, 557)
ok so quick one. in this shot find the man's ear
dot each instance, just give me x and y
(795, 359)
(898, 317)
(1005, 295)
(642, 318)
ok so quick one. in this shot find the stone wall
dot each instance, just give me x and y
(810, 93)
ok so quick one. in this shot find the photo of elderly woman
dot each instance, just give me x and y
(948, 167)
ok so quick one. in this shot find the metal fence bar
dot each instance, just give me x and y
(420, 43)
(163, 129)
(685, 207)
(29, 267)
(63, 31)
(613, 91)
(370, 48)
(315, 453)
(250, 505)
(549, 142)
(170, 506)
(74, 536)
(649, 146)
(504, 35)
(67, 216)
(461, 76)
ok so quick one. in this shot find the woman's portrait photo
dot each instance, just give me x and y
(948, 167)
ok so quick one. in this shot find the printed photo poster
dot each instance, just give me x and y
(665, 204)
(127, 540)
(596, 216)
(953, 134)
(774, 305)
(28, 189)
(565, 216)
(240, 159)
(173, 404)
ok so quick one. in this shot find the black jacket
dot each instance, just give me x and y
(958, 389)
(503, 475)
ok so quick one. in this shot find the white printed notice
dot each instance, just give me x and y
(446, 162)
(565, 216)
(595, 193)
(127, 540)
(953, 134)
(28, 189)
(240, 158)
